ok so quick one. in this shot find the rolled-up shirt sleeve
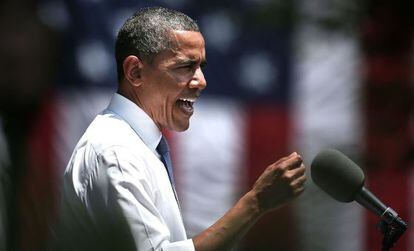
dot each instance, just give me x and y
(126, 183)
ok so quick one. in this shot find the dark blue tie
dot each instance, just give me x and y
(164, 151)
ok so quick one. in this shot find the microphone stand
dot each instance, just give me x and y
(392, 230)
(391, 225)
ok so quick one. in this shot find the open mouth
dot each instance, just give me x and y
(186, 104)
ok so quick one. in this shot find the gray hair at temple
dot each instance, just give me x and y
(147, 32)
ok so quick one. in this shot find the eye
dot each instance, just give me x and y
(187, 67)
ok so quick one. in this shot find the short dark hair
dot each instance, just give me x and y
(147, 32)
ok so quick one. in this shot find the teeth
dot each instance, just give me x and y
(187, 100)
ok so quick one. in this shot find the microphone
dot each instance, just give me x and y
(342, 179)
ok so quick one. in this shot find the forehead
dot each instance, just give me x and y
(186, 39)
(184, 45)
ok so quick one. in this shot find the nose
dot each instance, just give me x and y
(198, 81)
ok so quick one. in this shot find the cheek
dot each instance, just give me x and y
(181, 76)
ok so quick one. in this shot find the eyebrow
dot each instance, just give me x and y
(189, 61)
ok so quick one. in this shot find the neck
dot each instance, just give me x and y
(128, 92)
(125, 90)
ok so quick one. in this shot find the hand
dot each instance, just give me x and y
(280, 182)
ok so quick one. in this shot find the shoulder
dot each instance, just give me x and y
(109, 143)
(108, 130)
(111, 137)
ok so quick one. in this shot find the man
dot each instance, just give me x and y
(118, 188)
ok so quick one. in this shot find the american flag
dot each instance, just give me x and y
(282, 76)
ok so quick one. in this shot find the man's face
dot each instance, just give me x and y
(173, 81)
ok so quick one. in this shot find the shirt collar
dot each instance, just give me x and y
(139, 120)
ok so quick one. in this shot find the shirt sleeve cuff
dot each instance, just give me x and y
(186, 245)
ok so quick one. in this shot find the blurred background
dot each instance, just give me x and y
(283, 76)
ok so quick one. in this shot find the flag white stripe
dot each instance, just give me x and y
(210, 162)
(326, 114)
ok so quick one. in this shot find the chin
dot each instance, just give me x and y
(181, 127)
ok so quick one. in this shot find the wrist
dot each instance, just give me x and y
(251, 202)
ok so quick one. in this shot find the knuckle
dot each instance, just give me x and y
(273, 167)
(284, 166)
(277, 169)
(299, 191)
(301, 180)
(289, 176)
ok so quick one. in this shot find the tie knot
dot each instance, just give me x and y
(162, 147)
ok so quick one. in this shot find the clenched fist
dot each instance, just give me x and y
(280, 182)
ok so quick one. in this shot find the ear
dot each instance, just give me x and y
(133, 70)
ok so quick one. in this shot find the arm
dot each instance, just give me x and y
(124, 208)
(279, 183)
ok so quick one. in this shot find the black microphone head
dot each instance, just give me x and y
(337, 175)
